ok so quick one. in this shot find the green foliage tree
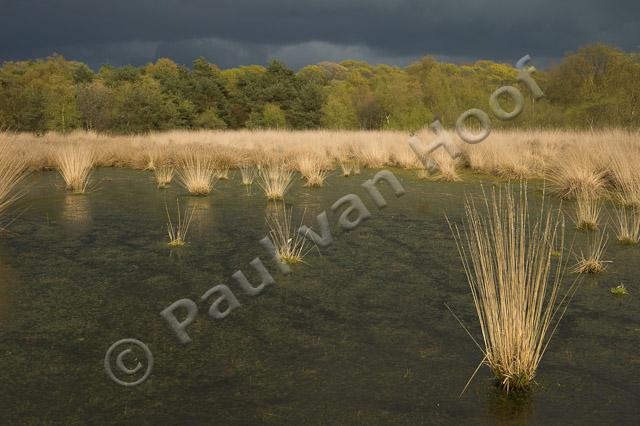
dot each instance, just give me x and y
(596, 86)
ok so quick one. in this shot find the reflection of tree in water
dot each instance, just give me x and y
(515, 407)
(76, 212)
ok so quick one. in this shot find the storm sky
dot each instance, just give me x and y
(242, 32)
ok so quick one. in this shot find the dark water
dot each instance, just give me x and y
(358, 335)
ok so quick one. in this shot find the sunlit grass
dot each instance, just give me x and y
(275, 181)
(197, 172)
(13, 169)
(163, 175)
(628, 225)
(507, 257)
(592, 260)
(75, 164)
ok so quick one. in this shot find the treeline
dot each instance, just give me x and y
(597, 86)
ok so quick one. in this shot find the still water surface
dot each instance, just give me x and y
(357, 335)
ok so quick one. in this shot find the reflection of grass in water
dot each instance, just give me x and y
(202, 212)
(512, 408)
(76, 209)
(507, 259)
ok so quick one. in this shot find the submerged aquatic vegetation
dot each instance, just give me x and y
(507, 258)
(75, 163)
(13, 169)
(619, 290)
(591, 261)
(178, 233)
(274, 181)
(291, 246)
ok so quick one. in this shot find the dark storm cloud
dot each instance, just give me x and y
(233, 32)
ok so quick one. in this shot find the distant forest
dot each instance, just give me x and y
(597, 86)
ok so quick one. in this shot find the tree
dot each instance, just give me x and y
(273, 117)
(209, 119)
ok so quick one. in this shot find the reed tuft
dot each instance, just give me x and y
(75, 163)
(274, 181)
(515, 284)
(178, 232)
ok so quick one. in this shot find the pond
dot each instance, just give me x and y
(358, 334)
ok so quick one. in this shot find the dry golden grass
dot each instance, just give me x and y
(275, 181)
(153, 156)
(591, 261)
(625, 175)
(313, 169)
(178, 233)
(588, 208)
(628, 226)
(346, 167)
(598, 161)
(575, 172)
(197, 172)
(75, 163)
(247, 175)
(445, 168)
(291, 247)
(13, 169)
(163, 175)
(507, 257)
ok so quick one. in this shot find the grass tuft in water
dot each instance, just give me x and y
(163, 175)
(274, 181)
(628, 226)
(178, 232)
(197, 172)
(13, 169)
(507, 257)
(75, 163)
(291, 247)
(588, 208)
(591, 261)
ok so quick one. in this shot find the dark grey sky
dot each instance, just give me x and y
(300, 32)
